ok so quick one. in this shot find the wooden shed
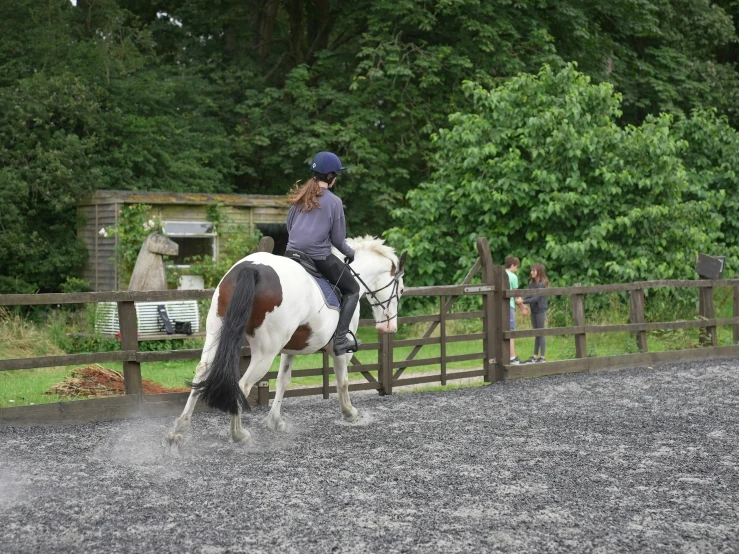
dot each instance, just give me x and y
(184, 216)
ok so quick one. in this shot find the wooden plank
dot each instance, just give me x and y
(417, 342)
(619, 328)
(97, 409)
(91, 297)
(437, 360)
(465, 338)
(622, 287)
(317, 391)
(451, 376)
(620, 361)
(578, 318)
(441, 290)
(127, 323)
(636, 315)
(67, 359)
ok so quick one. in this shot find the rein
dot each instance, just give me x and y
(373, 293)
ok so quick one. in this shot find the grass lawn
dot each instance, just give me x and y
(24, 387)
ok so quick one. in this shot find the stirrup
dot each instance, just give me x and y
(352, 347)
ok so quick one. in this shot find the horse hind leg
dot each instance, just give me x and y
(258, 368)
(176, 437)
(275, 421)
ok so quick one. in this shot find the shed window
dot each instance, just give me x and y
(196, 238)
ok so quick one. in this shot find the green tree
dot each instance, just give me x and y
(541, 168)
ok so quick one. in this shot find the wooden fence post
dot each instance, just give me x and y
(442, 337)
(385, 360)
(266, 244)
(578, 319)
(263, 393)
(636, 300)
(707, 311)
(493, 363)
(736, 310)
(502, 318)
(128, 327)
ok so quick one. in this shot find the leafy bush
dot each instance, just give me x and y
(541, 168)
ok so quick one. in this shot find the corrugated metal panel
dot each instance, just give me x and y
(149, 322)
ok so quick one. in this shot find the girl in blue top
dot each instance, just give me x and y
(315, 222)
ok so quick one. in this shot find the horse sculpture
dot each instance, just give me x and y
(148, 273)
(281, 310)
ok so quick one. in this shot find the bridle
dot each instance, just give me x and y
(395, 283)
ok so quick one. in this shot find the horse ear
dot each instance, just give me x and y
(401, 263)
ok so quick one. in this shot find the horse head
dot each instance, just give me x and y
(159, 244)
(381, 276)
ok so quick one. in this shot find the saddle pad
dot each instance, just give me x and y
(332, 301)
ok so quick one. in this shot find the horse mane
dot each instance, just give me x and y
(373, 244)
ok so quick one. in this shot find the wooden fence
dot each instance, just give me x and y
(381, 375)
(707, 324)
(388, 371)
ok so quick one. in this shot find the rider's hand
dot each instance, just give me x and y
(348, 259)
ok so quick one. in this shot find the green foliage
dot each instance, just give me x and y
(192, 96)
(74, 284)
(135, 223)
(541, 168)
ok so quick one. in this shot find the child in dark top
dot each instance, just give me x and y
(538, 304)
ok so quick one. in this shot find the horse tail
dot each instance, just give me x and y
(220, 389)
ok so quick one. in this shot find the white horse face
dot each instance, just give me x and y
(388, 290)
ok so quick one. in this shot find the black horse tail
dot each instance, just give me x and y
(220, 388)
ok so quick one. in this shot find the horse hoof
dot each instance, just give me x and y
(242, 437)
(278, 425)
(176, 439)
(353, 416)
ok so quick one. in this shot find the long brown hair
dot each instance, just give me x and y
(305, 196)
(541, 274)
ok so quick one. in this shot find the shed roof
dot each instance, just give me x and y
(192, 198)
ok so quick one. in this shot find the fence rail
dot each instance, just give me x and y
(386, 372)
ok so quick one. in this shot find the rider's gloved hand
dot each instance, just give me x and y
(348, 259)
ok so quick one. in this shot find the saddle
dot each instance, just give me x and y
(303, 259)
(331, 294)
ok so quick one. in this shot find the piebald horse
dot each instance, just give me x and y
(281, 310)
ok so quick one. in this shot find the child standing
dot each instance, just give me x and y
(539, 304)
(511, 267)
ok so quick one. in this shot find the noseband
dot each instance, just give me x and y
(373, 293)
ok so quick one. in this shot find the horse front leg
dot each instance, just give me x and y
(349, 412)
(275, 421)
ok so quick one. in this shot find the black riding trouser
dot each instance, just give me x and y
(333, 269)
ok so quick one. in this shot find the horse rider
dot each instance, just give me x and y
(314, 223)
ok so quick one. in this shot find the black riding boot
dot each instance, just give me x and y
(342, 343)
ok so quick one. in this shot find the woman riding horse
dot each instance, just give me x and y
(314, 223)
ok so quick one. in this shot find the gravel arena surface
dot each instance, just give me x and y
(637, 460)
